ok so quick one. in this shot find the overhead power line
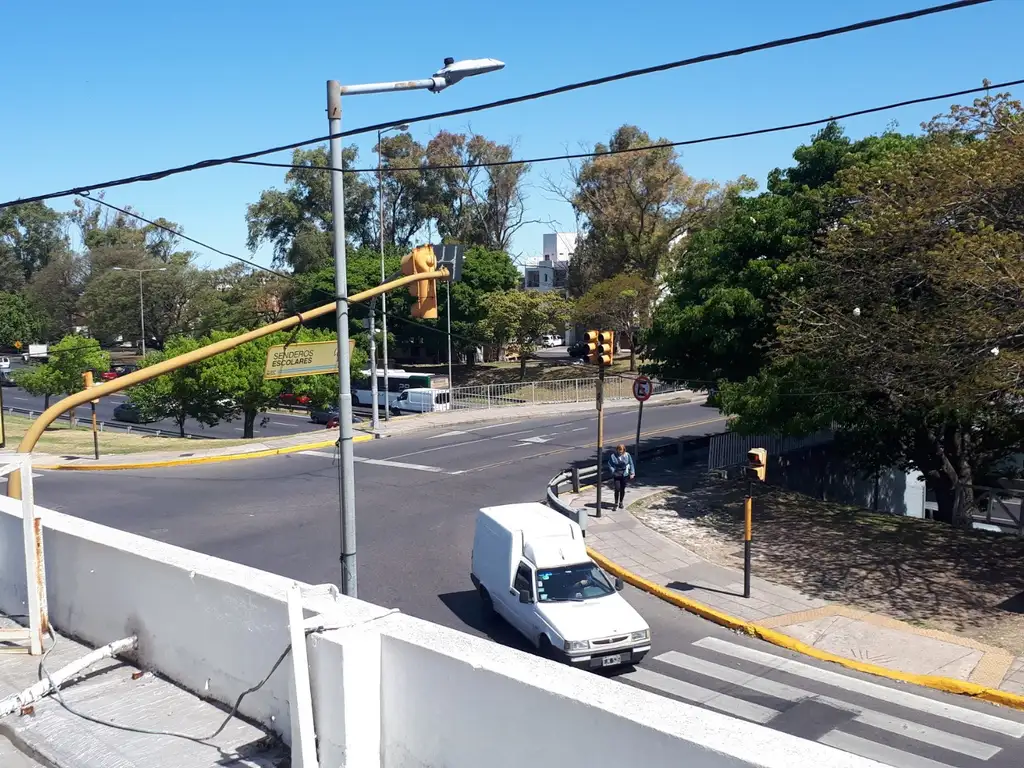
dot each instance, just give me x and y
(649, 147)
(704, 58)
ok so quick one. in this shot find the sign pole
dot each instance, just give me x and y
(95, 432)
(639, 419)
(748, 520)
(600, 432)
(3, 425)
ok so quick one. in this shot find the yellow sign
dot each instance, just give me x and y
(306, 359)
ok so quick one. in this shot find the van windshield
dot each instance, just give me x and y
(572, 582)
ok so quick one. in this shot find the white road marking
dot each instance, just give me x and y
(874, 751)
(460, 445)
(874, 690)
(720, 701)
(580, 429)
(538, 439)
(322, 454)
(397, 464)
(453, 433)
(879, 720)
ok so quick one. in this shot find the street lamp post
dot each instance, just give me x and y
(383, 296)
(451, 73)
(142, 306)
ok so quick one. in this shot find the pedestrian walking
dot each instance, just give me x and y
(621, 466)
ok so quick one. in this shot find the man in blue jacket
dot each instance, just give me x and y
(620, 464)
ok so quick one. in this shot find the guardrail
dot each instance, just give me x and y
(685, 448)
(110, 425)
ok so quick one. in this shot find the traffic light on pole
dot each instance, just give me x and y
(420, 261)
(757, 464)
(605, 347)
(590, 339)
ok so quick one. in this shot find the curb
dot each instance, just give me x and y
(945, 684)
(199, 459)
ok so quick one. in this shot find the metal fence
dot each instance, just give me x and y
(103, 426)
(550, 392)
(730, 449)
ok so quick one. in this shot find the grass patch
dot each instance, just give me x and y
(64, 440)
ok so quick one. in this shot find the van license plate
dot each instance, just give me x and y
(611, 661)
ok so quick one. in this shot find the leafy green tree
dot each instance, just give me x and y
(906, 332)
(237, 375)
(729, 286)
(622, 304)
(18, 320)
(179, 395)
(521, 318)
(62, 373)
(636, 207)
(30, 235)
(485, 272)
(54, 293)
(297, 221)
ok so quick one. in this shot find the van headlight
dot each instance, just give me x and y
(643, 634)
(577, 645)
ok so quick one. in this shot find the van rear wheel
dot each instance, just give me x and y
(486, 605)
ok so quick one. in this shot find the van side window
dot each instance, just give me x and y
(524, 580)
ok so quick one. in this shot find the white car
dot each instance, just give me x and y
(551, 340)
(530, 566)
(5, 363)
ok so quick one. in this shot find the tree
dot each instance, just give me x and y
(636, 207)
(485, 273)
(237, 375)
(18, 320)
(475, 205)
(62, 373)
(298, 220)
(30, 235)
(181, 394)
(405, 203)
(521, 318)
(906, 334)
(729, 284)
(622, 304)
(54, 293)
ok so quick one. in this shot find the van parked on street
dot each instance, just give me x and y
(421, 400)
(530, 566)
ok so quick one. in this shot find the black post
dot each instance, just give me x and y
(600, 432)
(95, 433)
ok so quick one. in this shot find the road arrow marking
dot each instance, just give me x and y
(453, 433)
(538, 439)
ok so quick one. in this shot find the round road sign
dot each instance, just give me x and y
(642, 388)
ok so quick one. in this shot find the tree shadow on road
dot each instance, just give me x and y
(919, 571)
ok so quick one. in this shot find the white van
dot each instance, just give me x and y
(421, 400)
(530, 566)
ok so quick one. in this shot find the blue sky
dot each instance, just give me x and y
(96, 91)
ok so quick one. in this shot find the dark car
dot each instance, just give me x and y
(6, 380)
(577, 350)
(129, 413)
(332, 423)
(117, 371)
(322, 415)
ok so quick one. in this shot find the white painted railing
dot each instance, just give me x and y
(550, 392)
(34, 605)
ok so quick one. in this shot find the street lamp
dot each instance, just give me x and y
(142, 311)
(451, 73)
(383, 296)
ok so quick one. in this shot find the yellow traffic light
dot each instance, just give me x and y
(757, 464)
(590, 339)
(606, 347)
(422, 259)
(86, 379)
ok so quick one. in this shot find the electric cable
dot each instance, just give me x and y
(703, 58)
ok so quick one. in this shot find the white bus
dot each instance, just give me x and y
(398, 382)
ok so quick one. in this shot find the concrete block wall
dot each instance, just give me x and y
(389, 691)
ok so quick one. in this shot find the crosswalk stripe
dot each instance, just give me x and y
(397, 464)
(934, 707)
(704, 696)
(872, 750)
(884, 722)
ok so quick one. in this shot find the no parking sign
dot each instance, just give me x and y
(642, 388)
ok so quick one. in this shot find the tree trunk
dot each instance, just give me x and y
(632, 357)
(953, 481)
(181, 425)
(522, 366)
(248, 423)
(46, 401)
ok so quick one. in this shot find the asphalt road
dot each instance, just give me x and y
(277, 424)
(417, 497)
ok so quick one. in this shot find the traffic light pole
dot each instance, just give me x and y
(346, 464)
(600, 433)
(748, 524)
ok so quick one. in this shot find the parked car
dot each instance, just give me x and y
(129, 413)
(5, 363)
(291, 399)
(577, 350)
(117, 371)
(6, 380)
(324, 414)
(551, 340)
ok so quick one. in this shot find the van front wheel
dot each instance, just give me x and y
(547, 650)
(486, 605)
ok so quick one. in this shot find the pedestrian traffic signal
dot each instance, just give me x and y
(421, 261)
(757, 464)
(605, 347)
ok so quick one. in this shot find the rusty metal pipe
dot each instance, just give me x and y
(28, 442)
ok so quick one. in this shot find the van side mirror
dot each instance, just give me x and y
(619, 584)
(524, 596)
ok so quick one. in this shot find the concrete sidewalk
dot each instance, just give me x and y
(830, 627)
(397, 426)
(144, 720)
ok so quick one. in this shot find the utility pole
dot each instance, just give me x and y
(452, 72)
(346, 478)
